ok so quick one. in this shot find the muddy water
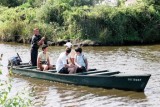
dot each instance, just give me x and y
(136, 59)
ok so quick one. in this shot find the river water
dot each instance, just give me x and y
(134, 59)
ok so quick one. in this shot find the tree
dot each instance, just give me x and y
(11, 3)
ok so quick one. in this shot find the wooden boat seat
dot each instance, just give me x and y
(30, 67)
(92, 72)
(106, 73)
(24, 65)
(53, 70)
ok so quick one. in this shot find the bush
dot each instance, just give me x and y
(16, 22)
(18, 100)
(50, 12)
(81, 19)
(11, 3)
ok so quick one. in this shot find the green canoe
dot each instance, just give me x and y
(92, 78)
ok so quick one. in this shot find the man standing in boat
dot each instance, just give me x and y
(62, 66)
(35, 43)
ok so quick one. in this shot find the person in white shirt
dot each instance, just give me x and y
(80, 61)
(43, 62)
(62, 65)
(72, 54)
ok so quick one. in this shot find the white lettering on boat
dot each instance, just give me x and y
(134, 79)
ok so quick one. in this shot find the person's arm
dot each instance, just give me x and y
(86, 62)
(69, 60)
(38, 62)
(75, 62)
(48, 60)
(40, 42)
(64, 61)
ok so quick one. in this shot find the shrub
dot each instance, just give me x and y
(80, 19)
(18, 100)
(11, 3)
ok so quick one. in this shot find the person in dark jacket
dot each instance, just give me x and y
(35, 43)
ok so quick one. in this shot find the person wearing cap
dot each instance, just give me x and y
(72, 54)
(68, 44)
(36, 41)
(43, 62)
(62, 65)
(80, 60)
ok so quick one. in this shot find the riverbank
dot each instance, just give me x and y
(83, 22)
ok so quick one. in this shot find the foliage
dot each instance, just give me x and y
(81, 19)
(16, 22)
(11, 3)
(155, 2)
(6, 100)
(50, 12)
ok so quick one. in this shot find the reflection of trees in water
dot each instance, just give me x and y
(39, 88)
(145, 53)
(71, 95)
(42, 92)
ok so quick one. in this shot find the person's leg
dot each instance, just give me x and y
(35, 59)
(34, 54)
(75, 68)
(64, 70)
(78, 70)
(50, 66)
(41, 67)
(71, 70)
(84, 69)
(45, 67)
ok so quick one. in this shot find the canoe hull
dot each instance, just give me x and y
(127, 82)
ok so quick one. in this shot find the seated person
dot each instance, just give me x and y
(80, 61)
(72, 54)
(62, 66)
(43, 62)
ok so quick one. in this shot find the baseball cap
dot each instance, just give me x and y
(68, 44)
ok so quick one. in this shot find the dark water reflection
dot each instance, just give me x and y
(135, 59)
